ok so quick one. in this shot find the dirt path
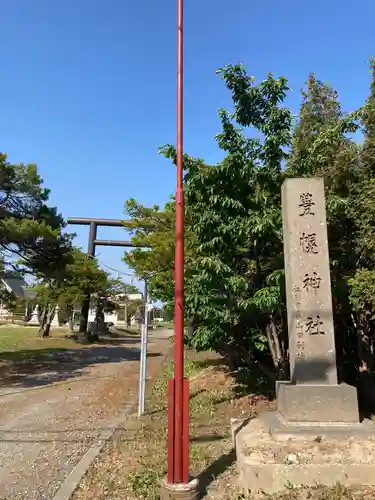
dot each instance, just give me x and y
(45, 431)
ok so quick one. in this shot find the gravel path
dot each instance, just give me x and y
(45, 431)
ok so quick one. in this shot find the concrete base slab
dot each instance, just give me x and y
(268, 465)
(34, 322)
(188, 491)
(318, 403)
(282, 430)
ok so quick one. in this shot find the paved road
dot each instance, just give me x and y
(49, 421)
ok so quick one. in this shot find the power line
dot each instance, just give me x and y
(116, 270)
(134, 276)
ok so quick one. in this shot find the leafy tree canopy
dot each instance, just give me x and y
(234, 265)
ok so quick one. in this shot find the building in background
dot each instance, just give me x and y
(14, 298)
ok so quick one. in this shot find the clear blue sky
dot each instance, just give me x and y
(88, 87)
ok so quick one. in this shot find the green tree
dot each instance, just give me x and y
(68, 287)
(152, 229)
(362, 207)
(233, 226)
(362, 203)
(325, 149)
(30, 230)
(320, 110)
(120, 298)
(234, 269)
(368, 149)
(322, 147)
(234, 212)
(114, 297)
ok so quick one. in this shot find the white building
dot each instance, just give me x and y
(17, 287)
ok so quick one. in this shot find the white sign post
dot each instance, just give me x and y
(143, 358)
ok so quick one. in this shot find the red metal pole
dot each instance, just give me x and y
(178, 472)
(171, 414)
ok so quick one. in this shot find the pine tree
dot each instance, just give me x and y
(320, 145)
(30, 230)
(368, 149)
(320, 109)
(361, 285)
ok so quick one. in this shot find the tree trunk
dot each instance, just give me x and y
(229, 353)
(84, 314)
(43, 316)
(70, 312)
(275, 348)
(191, 327)
(47, 317)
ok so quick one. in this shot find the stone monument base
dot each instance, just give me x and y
(33, 322)
(282, 430)
(317, 403)
(306, 456)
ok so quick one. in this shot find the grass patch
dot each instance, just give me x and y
(205, 431)
(13, 339)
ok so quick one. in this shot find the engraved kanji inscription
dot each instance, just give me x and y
(306, 204)
(314, 326)
(300, 345)
(311, 282)
(308, 243)
(299, 328)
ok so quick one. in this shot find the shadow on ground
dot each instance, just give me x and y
(248, 380)
(214, 470)
(40, 367)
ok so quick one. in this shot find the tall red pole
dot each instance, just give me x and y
(178, 444)
(179, 259)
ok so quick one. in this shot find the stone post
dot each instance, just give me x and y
(313, 394)
(34, 320)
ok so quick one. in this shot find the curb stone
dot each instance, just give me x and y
(72, 481)
(74, 478)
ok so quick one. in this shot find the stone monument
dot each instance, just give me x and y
(55, 320)
(311, 437)
(34, 320)
(313, 395)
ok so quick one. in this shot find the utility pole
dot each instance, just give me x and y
(126, 313)
(143, 363)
